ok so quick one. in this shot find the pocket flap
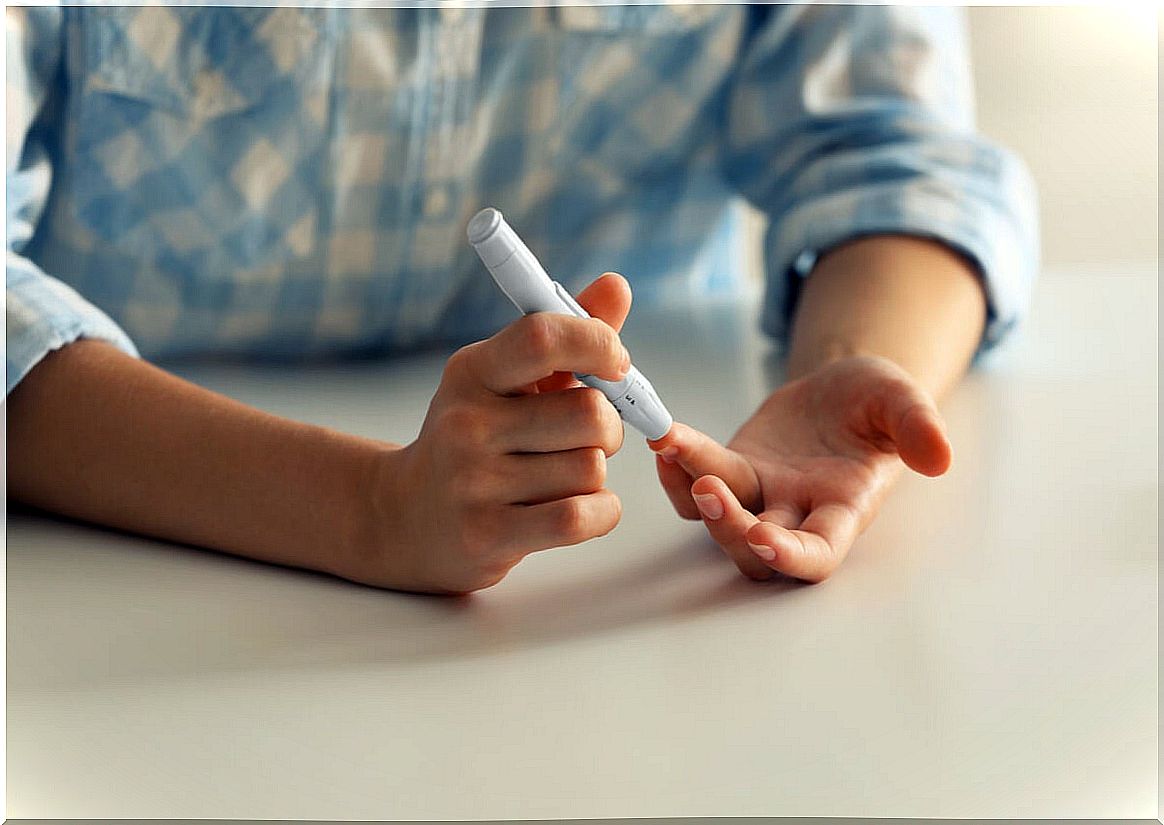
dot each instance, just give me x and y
(207, 61)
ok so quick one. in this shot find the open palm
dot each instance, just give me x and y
(805, 475)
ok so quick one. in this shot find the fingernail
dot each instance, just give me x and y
(668, 454)
(763, 551)
(710, 505)
(626, 362)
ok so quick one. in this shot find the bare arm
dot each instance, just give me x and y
(498, 471)
(100, 436)
(913, 301)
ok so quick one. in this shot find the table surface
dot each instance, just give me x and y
(989, 649)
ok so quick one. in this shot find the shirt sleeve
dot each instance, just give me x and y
(852, 120)
(41, 314)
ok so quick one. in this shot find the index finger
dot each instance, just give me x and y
(543, 343)
(700, 454)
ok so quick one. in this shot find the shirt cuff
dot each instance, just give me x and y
(994, 227)
(42, 315)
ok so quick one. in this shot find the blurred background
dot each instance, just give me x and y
(1073, 89)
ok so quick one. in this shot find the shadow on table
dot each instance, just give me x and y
(185, 611)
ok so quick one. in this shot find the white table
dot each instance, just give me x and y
(989, 648)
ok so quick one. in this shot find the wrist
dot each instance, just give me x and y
(374, 525)
(913, 301)
(808, 358)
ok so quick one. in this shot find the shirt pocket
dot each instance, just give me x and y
(632, 82)
(195, 134)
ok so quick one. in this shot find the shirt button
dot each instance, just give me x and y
(436, 201)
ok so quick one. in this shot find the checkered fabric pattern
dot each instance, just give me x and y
(291, 182)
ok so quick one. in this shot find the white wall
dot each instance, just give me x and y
(1074, 90)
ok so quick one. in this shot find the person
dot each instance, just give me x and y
(291, 183)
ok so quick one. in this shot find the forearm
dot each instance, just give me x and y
(913, 301)
(99, 436)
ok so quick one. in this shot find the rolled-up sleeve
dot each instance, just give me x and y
(41, 314)
(850, 120)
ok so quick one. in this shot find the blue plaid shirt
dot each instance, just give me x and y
(295, 182)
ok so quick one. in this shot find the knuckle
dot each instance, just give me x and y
(539, 335)
(611, 517)
(592, 405)
(614, 345)
(570, 521)
(466, 425)
(608, 344)
(607, 337)
(592, 470)
(576, 522)
(453, 416)
(457, 366)
(600, 421)
(613, 432)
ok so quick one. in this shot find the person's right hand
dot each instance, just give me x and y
(511, 458)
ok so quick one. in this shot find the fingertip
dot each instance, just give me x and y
(607, 283)
(670, 437)
(727, 522)
(698, 453)
(707, 484)
(608, 298)
(761, 532)
(616, 506)
(669, 445)
(923, 445)
(944, 457)
(787, 552)
(657, 445)
(716, 485)
(775, 545)
(615, 279)
(713, 498)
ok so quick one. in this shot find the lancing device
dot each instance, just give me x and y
(525, 282)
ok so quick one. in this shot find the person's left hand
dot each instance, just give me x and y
(805, 475)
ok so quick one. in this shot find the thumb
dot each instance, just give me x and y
(916, 428)
(699, 455)
(608, 298)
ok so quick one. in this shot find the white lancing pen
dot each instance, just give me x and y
(522, 278)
